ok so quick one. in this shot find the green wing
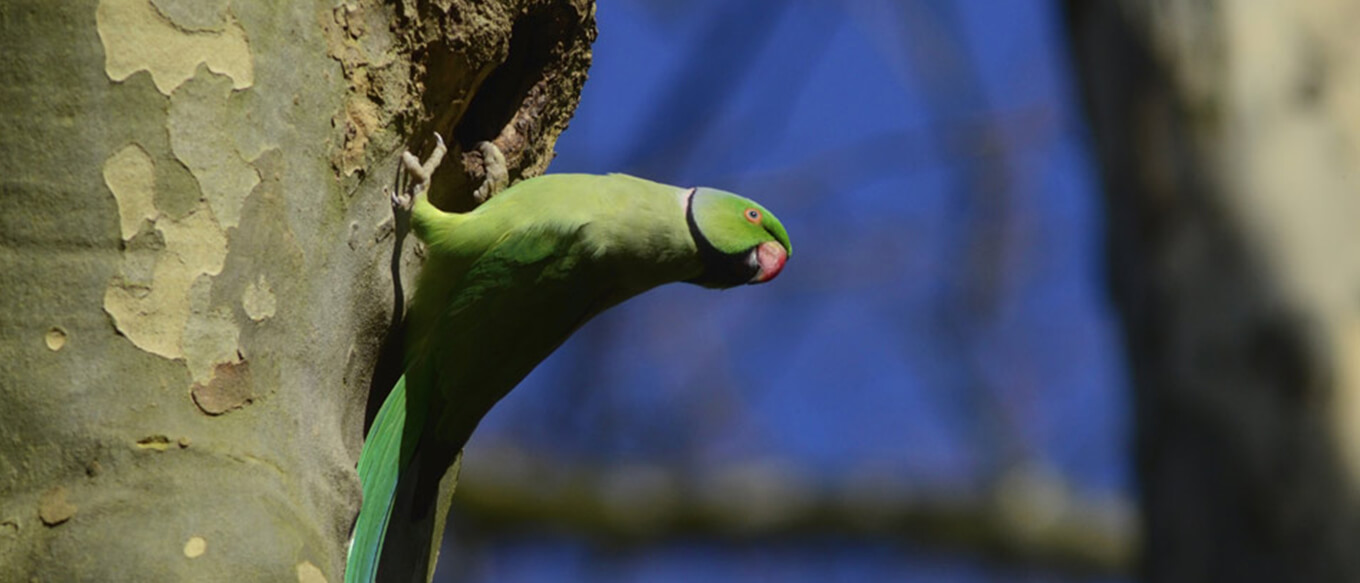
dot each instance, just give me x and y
(458, 304)
(515, 304)
(379, 464)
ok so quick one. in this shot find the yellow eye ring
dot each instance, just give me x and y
(752, 215)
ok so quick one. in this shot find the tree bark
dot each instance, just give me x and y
(198, 265)
(1227, 134)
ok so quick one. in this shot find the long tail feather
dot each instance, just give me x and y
(379, 464)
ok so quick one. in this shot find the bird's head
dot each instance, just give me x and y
(739, 241)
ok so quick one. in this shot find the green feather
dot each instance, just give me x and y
(378, 465)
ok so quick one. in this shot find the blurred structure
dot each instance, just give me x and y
(1227, 134)
(931, 391)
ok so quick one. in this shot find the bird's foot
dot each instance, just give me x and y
(497, 175)
(420, 174)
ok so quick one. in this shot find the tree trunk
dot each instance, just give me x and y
(1227, 133)
(197, 262)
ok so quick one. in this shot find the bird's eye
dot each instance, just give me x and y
(753, 215)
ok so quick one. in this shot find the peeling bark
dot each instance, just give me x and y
(199, 267)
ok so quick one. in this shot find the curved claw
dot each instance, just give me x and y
(399, 201)
(436, 156)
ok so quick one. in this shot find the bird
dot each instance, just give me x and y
(502, 287)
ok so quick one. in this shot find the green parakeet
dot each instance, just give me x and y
(502, 287)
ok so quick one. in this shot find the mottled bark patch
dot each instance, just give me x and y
(230, 388)
(53, 508)
(136, 37)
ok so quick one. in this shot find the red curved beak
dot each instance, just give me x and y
(770, 256)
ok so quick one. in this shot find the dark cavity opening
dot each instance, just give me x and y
(534, 43)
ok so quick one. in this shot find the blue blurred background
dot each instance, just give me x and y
(932, 390)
